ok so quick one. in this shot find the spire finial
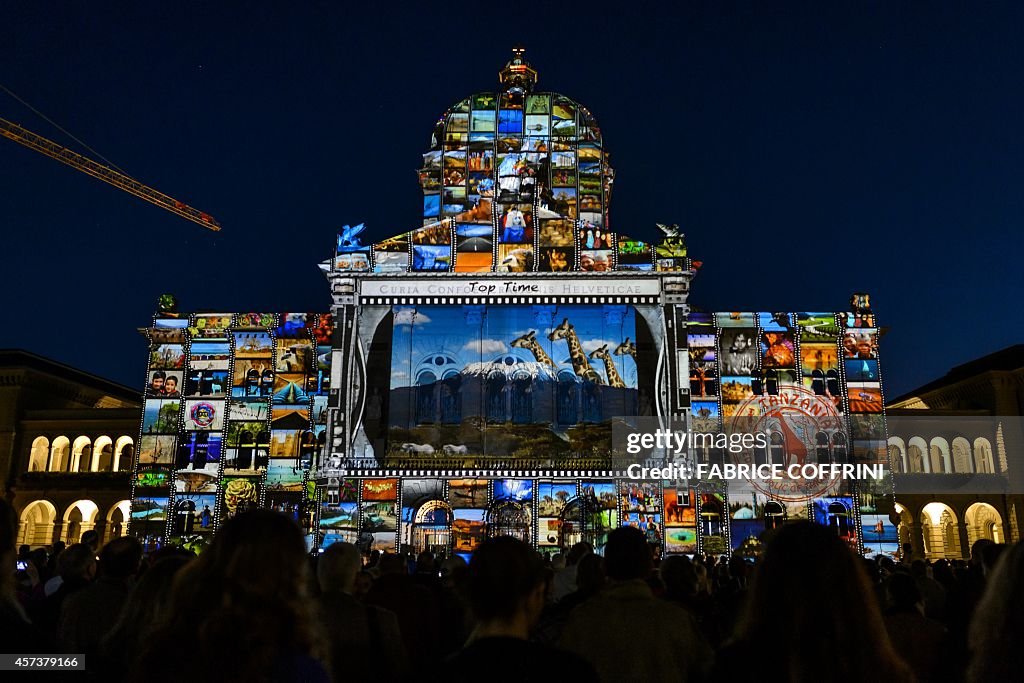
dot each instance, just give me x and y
(518, 76)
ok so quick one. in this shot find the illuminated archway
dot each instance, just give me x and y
(81, 455)
(124, 454)
(102, 454)
(938, 456)
(963, 462)
(983, 521)
(40, 452)
(79, 517)
(898, 455)
(917, 455)
(37, 521)
(941, 532)
(60, 452)
(117, 520)
(983, 456)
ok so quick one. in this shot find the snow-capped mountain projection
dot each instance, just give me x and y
(510, 381)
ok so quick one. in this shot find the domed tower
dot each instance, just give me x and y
(517, 173)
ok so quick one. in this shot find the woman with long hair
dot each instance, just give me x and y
(241, 609)
(997, 628)
(143, 611)
(810, 616)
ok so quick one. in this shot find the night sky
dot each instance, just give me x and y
(807, 153)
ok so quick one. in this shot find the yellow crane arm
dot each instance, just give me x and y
(13, 131)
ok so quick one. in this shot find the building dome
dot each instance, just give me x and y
(505, 165)
(516, 180)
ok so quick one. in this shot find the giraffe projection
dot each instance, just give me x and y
(626, 348)
(609, 367)
(577, 356)
(529, 342)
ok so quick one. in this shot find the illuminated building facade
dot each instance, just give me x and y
(954, 445)
(471, 372)
(67, 444)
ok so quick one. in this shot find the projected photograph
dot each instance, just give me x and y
(467, 493)
(552, 497)
(864, 398)
(339, 515)
(164, 384)
(881, 537)
(431, 258)
(739, 351)
(817, 327)
(639, 496)
(239, 494)
(556, 233)
(597, 261)
(680, 540)
(167, 357)
(860, 344)
(508, 382)
(513, 489)
(514, 258)
(160, 416)
(209, 383)
(861, 370)
(777, 350)
(390, 262)
(284, 475)
(821, 357)
(468, 530)
(145, 509)
(204, 415)
(379, 516)
(155, 450)
(199, 451)
(555, 260)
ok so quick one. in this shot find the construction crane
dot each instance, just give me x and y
(38, 143)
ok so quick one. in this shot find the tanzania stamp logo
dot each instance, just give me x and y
(203, 414)
(804, 429)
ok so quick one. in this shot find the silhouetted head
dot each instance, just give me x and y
(121, 558)
(337, 567)
(505, 577)
(627, 555)
(679, 576)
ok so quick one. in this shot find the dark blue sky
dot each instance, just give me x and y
(808, 152)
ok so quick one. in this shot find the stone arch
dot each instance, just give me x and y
(60, 453)
(983, 462)
(983, 521)
(81, 455)
(898, 455)
(79, 517)
(963, 462)
(124, 454)
(938, 456)
(117, 519)
(102, 454)
(917, 455)
(37, 522)
(39, 454)
(941, 531)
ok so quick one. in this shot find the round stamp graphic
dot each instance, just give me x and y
(801, 428)
(203, 414)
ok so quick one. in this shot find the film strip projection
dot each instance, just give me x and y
(473, 370)
(234, 417)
